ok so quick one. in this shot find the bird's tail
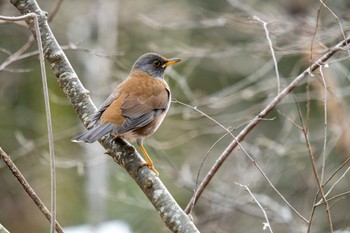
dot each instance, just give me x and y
(94, 134)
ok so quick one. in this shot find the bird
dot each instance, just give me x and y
(136, 107)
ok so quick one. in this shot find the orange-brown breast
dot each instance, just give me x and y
(112, 114)
(136, 95)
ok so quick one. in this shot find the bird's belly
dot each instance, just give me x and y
(130, 135)
(149, 129)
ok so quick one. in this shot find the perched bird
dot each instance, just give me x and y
(136, 107)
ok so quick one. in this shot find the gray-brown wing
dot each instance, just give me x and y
(96, 117)
(140, 112)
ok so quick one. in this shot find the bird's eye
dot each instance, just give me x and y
(156, 63)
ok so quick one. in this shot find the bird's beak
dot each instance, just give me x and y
(171, 61)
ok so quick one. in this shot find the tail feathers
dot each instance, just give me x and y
(95, 133)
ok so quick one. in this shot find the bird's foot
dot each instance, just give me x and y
(150, 166)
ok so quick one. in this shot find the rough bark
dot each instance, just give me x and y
(122, 152)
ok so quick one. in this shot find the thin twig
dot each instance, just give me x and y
(189, 211)
(333, 198)
(272, 51)
(191, 204)
(14, 57)
(16, 18)
(47, 110)
(26, 186)
(54, 10)
(204, 114)
(295, 83)
(20, 55)
(336, 171)
(335, 183)
(290, 120)
(325, 124)
(307, 124)
(312, 214)
(314, 169)
(267, 223)
(49, 125)
(337, 18)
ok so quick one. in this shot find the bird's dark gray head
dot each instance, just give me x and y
(154, 64)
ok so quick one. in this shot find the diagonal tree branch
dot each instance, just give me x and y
(3, 229)
(256, 120)
(122, 152)
(26, 186)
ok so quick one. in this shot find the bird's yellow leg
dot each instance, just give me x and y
(149, 162)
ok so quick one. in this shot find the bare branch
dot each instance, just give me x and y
(314, 169)
(337, 18)
(333, 198)
(267, 223)
(121, 151)
(325, 123)
(20, 55)
(49, 125)
(26, 186)
(337, 170)
(33, 16)
(335, 183)
(191, 204)
(267, 33)
(256, 120)
(3, 229)
(14, 57)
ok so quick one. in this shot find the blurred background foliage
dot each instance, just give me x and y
(227, 72)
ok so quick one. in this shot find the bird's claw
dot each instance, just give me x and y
(150, 166)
